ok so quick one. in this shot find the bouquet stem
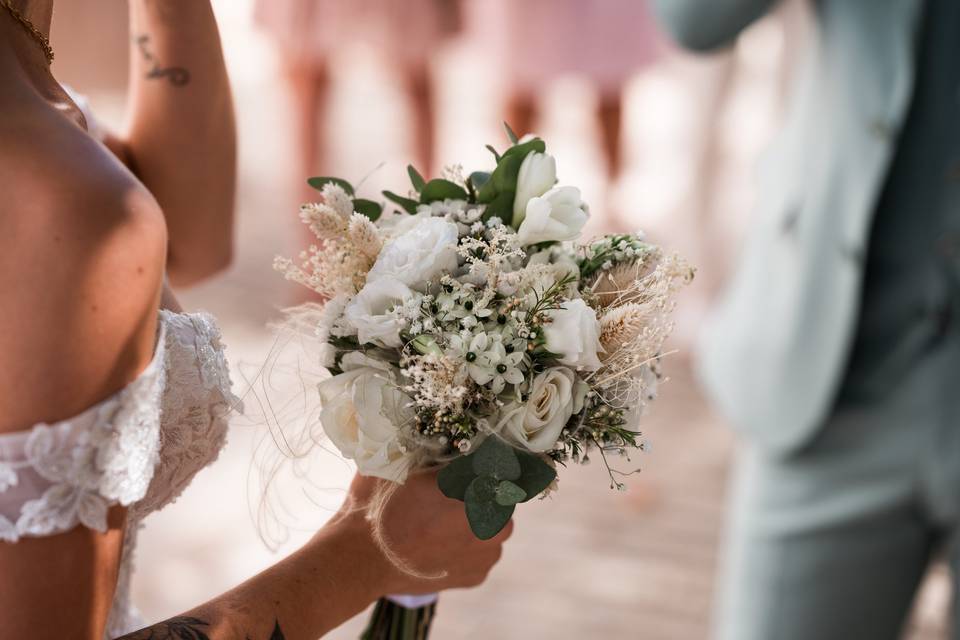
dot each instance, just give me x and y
(393, 621)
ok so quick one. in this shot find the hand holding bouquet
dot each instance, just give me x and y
(463, 326)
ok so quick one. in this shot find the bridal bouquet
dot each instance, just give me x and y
(464, 326)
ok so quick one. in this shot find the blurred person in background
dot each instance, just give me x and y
(605, 42)
(836, 349)
(309, 33)
(113, 398)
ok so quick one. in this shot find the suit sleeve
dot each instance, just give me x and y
(705, 25)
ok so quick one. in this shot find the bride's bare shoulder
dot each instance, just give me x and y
(82, 253)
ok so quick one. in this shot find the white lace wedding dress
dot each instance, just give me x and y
(139, 448)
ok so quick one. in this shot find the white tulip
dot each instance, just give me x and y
(574, 334)
(363, 409)
(538, 174)
(536, 424)
(370, 312)
(557, 215)
(419, 255)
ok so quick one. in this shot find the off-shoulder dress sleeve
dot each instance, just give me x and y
(54, 477)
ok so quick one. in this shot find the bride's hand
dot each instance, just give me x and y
(425, 531)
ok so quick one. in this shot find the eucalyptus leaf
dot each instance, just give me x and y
(454, 478)
(508, 494)
(440, 189)
(496, 459)
(415, 178)
(408, 205)
(487, 518)
(368, 208)
(536, 475)
(319, 182)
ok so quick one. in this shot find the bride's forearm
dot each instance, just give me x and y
(301, 597)
(181, 137)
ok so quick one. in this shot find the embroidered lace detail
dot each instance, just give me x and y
(140, 448)
(195, 407)
(8, 476)
(106, 456)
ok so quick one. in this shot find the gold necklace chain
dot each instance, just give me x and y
(31, 28)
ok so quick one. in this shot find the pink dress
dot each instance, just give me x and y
(406, 31)
(606, 41)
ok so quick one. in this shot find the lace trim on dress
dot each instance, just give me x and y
(105, 456)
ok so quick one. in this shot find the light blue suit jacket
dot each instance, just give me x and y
(774, 353)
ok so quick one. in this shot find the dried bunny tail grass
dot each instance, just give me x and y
(337, 199)
(633, 334)
(323, 221)
(641, 281)
(620, 325)
(347, 250)
(363, 235)
(617, 285)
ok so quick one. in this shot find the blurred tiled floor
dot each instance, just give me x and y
(589, 563)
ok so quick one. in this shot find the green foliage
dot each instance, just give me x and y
(501, 206)
(510, 134)
(454, 478)
(440, 189)
(535, 476)
(509, 494)
(491, 481)
(521, 150)
(499, 191)
(487, 517)
(476, 180)
(368, 208)
(408, 205)
(497, 459)
(415, 178)
(319, 181)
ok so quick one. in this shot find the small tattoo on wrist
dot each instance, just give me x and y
(177, 76)
(186, 628)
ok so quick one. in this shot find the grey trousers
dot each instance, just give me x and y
(831, 542)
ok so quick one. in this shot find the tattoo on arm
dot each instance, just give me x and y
(178, 76)
(186, 628)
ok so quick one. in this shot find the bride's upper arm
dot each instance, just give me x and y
(80, 280)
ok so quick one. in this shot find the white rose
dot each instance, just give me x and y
(363, 409)
(538, 174)
(419, 255)
(369, 312)
(536, 425)
(559, 215)
(397, 223)
(574, 334)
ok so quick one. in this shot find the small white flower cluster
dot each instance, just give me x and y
(349, 245)
(472, 313)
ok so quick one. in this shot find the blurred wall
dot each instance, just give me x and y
(78, 24)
